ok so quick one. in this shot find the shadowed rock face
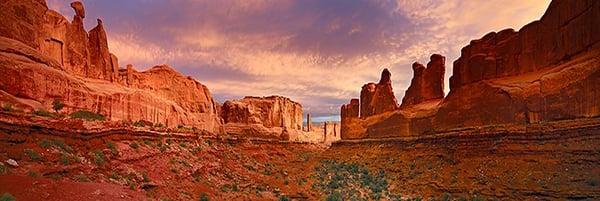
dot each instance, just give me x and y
(427, 83)
(547, 71)
(45, 57)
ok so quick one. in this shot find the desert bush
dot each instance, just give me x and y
(159, 125)
(113, 148)
(42, 113)
(7, 197)
(57, 105)
(204, 197)
(134, 145)
(82, 178)
(64, 159)
(33, 155)
(44, 143)
(284, 198)
(62, 145)
(87, 115)
(99, 157)
(139, 124)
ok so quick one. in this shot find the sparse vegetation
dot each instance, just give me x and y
(284, 198)
(42, 113)
(145, 177)
(33, 174)
(33, 155)
(2, 168)
(99, 157)
(44, 143)
(57, 105)
(158, 125)
(81, 178)
(349, 181)
(139, 124)
(7, 197)
(134, 145)
(204, 197)
(113, 148)
(87, 115)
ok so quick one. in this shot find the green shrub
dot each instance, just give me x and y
(7, 197)
(33, 155)
(145, 177)
(158, 125)
(43, 113)
(33, 174)
(87, 115)
(204, 197)
(65, 159)
(284, 198)
(134, 145)
(113, 148)
(44, 143)
(57, 105)
(99, 157)
(2, 169)
(81, 178)
(139, 124)
(335, 196)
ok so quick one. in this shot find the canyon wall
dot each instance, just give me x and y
(44, 58)
(547, 71)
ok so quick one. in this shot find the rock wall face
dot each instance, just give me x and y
(59, 60)
(272, 111)
(427, 83)
(378, 98)
(547, 71)
(567, 28)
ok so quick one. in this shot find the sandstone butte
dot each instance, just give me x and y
(45, 57)
(257, 116)
(547, 71)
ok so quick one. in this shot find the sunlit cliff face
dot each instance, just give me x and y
(317, 52)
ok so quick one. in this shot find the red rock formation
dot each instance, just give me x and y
(427, 83)
(43, 57)
(547, 71)
(77, 52)
(272, 111)
(101, 64)
(566, 29)
(378, 98)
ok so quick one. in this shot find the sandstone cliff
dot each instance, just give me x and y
(272, 111)
(427, 83)
(547, 71)
(44, 57)
(378, 98)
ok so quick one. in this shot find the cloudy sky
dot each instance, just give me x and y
(317, 52)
